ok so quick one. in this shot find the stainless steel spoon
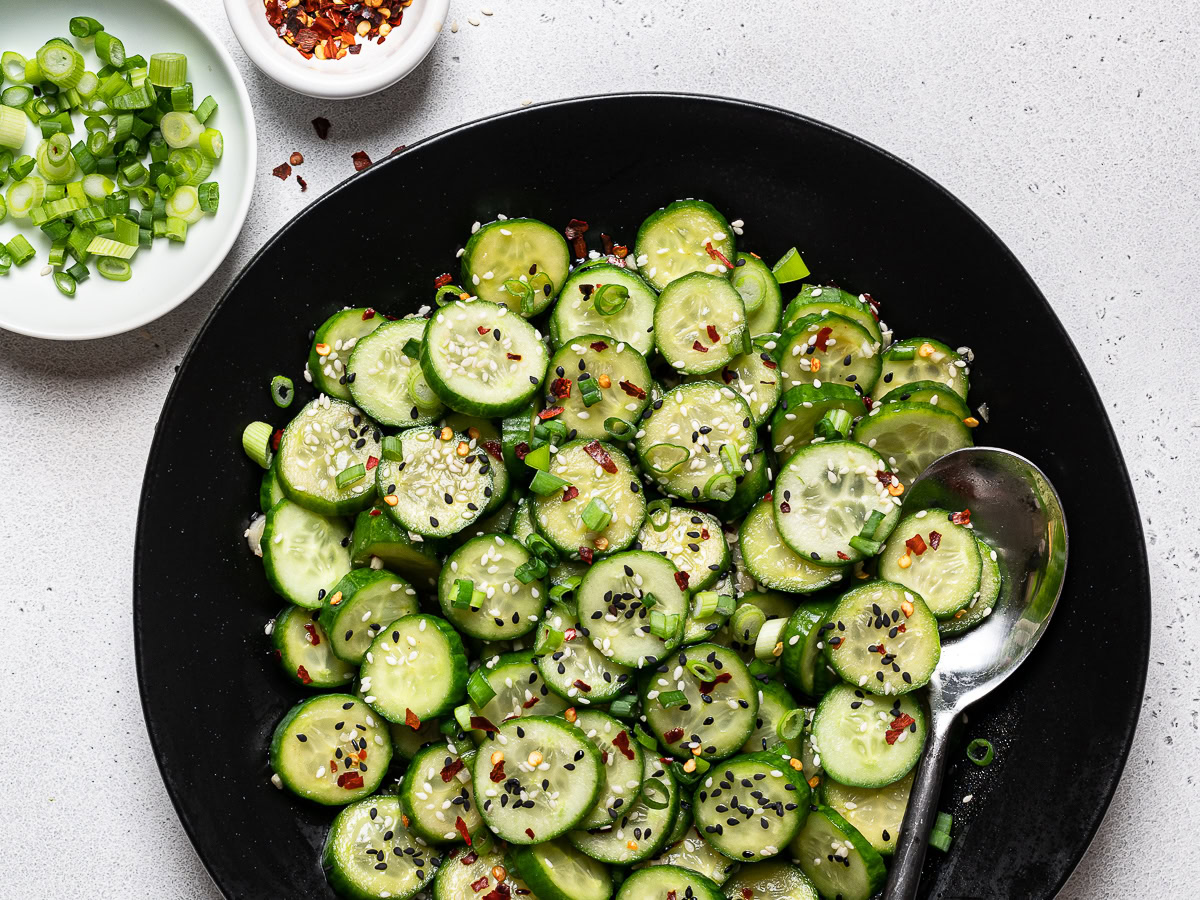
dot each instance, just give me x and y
(1016, 510)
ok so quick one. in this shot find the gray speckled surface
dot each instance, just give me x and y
(1069, 127)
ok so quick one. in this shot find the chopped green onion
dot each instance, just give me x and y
(3, 212)
(181, 98)
(544, 484)
(13, 65)
(87, 87)
(412, 348)
(834, 425)
(663, 459)
(670, 699)
(205, 110)
(768, 645)
(256, 441)
(58, 252)
(654, 795)
(65, 284)
(541, 548)
(790, 267)
(746, 622)
(5, 260)
(616, 427)
(182, 129)
(597, 514)
(61, 65)
(530, 570)
(176, 229)
(462, 715)
(522, 291)
(663, 625)
(589, 391)
(25, 194)
(981, 752)
(210, 141)
(351, 475)
(624, 708)
(791, 726)
(168, 69)
(17, 96)
(83, 158)
(729, 460)
(184, 203)
(721, 486)
(85, 27)
(166, 185)
(114, 269)
(110, 49)
(103, 246)
(711, 603)
(392, 448)
(864, 546)
(701, 670)
(79, 272)
(652, 510)
(134, 62)
(54, 160)
(21, 250)
(548, 640)
(564, 592)
(872, 523)
(941, 840)
(539, 459)
(464, 588)
(610, 299)
(649, 600)
(902, 353)
(139, 97)
(111, 85)
(479, 689)
(12, 127)
(447, 293)
(282, 391)
(116, 203)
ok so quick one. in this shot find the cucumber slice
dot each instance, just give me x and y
(370, 854)
(538, 776)
(754, 281)
(525, 250)
(691, 851)
(771, 880)
(415, 667)
(304, 650)
(700, 323)
(557, 871)
(469, 866)
(823, 497)
(520, 690)
(883, 637)
(616, 368)
(585, 466)
(819, 349)
(481, 360)
(575, 669)
(575, 314)
(403, 552)
(750, 486)
(406, 742)
(750, 807)
(522, 526)
(764, 321)
(613, 600)
(330, 727)
(361, 605)
(270, 492)
(719, 714)
(802, 661)
(327, 438)
(935, 393)
(482, 433)
(802, 407)
(947, 578)
(621, 774)
(333, 344)
(643, 828)
(876, 812)
(774, 703)
(865, 740)
(839, 861)
(386, 383)
(675, 241)
(911, 436)
(662, 881)
(510, 608)
(437, 795)
(303, 553)
(941, 364)
(821, 299)
(774, 564)
(984, 601)
(755, 376)
(437, 464)
(682, 460)
(692, 540)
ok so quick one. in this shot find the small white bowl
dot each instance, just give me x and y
(354, 75)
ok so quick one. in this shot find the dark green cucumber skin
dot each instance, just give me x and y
(517, 429)
(269, 492)
(285, 660)
(774, 762)
(800, 327)
(458, 676)
(946, 395)
(379, 535)
(808, 616)
(342, 885)
(832, 298)
(331, 386)
(631, 888)
(352, 582)
(533, 875)
(745, 261)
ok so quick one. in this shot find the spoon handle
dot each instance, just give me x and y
(913, 840)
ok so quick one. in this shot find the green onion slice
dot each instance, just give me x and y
(663, 459)
(610, 299)
(539, 459)
(412, 348)
(790, 267)
(670, 699)
(722, 486)
(902, 353)
(542, 549)
(791, 726)
(663, 625)
(981, 752)
(864, 546)
(663, 523)
(730, 461)
(393, 448)
(256, 441)
(522, 291)
(548, 640)
(447, 293)
(479, 689)
(564, 593)
(351, 475)
(747, 621)
(462, 715)
(531, 570)
(834, 425)
(616, 427)
(112, 268)
(654, 794)
(168, 69)
(625, 708)
(872, 523)
(597, 514)
(701, 670)
(65, 284)
(84, 26)
(544, 484)
(282, 391)
(941, 840)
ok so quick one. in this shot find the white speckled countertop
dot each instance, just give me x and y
(1070, 127)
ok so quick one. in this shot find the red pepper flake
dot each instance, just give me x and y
(718, 255)
(713, 334)
(885, 478)
(785, 507)
(570, 634)
(302, 674)
(822, 341)
(483, 329)
(321, 125)
(587, 554)
(842, 555)
(607, 243)
(621, 742)
(706, 687)
(582, 685)
(532, 836)
(673, 735)
(935, 539)
(497, 774)
(574, 233)
(561, 388)
(449, 771)
(494, 450)
(961, 518)
(350, 781)
(901, 628)
(375, 512)
(916, 544)
(598, 346)
(631, 389)
(897, 727)
(767, 496)
(550, 413)
(481, 723)
(514, 356)
(361, 160)
(306, 39)
(868, 402)
(332, 765)
(699, 347)
(444, 279)
(483, 882)
(303, 184)
(282, 171)
(411, 720)
(727, 376)
(530, 703)
(600, 455)
(704, 534)
(521, 450)
(500, 893)
(747, 894)
(874, 304)
(276, 437)
(313, 637)
(459, 825)
(372, 462)
(470, 859)
(681, 579)
(570, 493)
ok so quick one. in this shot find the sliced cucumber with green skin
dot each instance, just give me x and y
(361, 605)
(691, 851)
(883, 637)
(612, 606)
(802, 407)
(765, 320)
(911, 436)
(330, 727)
(270, 492)
(750, 807)
(555, 870)
(935, 393)
(948, 577)
(386, 383)
(621, 774)
(823, 497)
(406, 742)
(545, 780)
(491, 372)
(305, 651)
(408, 554)
(509, 608)
(839, 861)
(434, 469)
(482, 434)
(334, 343)
(719, 714)
(575, 313)
(984, 601)
(517, 429)
(700, 323)
(755, 376)
(866, 740)
(680, 458)
(774, 703)
(304, 553)
(437, 792)
(692, 540)
(876, 812)
(773, 563)
(369, 853)
(802, 660)
(816, 349)
(750, 485)
(675, 240)
(662, 881)
(771, 880)
(575, 669)
(468, 866)
(643, 828)
(622, 377)
(753, 280)
(820, 299)
(942, 365)
(522, 525)
(525, 250)
(585, 465)
(416, 665)
(520, 690)
(326, 439)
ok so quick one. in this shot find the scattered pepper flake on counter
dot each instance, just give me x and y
(361, 160)
(329, 31)
(282, 171)
(296, 158)
(321, 125)
(303, 184)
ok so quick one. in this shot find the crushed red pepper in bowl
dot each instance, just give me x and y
(328, 29)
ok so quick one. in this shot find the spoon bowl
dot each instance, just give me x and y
(1017, 511)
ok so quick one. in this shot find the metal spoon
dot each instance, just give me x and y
(1017, 511)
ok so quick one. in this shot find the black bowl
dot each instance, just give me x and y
(863, 219)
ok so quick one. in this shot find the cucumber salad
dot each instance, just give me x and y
(597, 571)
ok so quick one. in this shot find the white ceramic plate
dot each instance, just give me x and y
(168, 273)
